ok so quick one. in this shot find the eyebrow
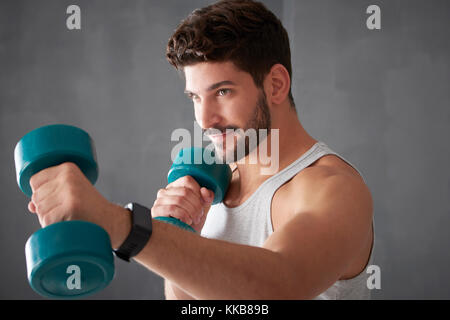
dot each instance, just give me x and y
(215, 86)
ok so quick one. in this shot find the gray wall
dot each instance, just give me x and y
(379, 98)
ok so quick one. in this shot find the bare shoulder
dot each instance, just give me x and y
(330, 181)
(329, 172)
(328, 208)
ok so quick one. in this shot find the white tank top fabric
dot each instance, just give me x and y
(250, 223)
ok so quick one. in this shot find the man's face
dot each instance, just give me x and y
(227, 103)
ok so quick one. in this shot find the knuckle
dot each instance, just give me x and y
(185, 178)
(69, 166)
(175, 211)
(184, 181)
(189, 179)
(178, 200)
(172, 208)
(34, 181)
(184, 191)
(46, 220)
(34, 197)
(69, 170)
(160, 193)
(72, 190)
(72, 203)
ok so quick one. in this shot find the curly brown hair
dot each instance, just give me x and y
(244, 32)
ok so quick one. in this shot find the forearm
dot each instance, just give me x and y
(173, 292)
(213, 269)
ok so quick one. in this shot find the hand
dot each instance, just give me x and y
(63, 193)
(185, 200)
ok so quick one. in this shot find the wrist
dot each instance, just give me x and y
(122, 226)
(139, 234)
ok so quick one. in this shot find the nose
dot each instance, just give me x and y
(207, 114)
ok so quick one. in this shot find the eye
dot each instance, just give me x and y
(222, 92)
(191, 96)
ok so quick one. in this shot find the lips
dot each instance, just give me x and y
(218, 137)
(215, 136)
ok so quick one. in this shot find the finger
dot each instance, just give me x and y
(186, 181)
(193, 198)
(208, 198)
(31, 207)
(179, 201)
(207, 195)
(172, 211)
(48, 217)
(45, 206)
(42, 177)
(44, 191)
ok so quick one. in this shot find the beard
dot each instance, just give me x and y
(242, 141)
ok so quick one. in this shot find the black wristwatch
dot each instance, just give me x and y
(141, 230)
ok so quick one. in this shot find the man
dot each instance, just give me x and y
(302, 232)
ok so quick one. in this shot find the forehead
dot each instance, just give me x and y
(203, 74)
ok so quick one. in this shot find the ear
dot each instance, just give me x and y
(278, 82)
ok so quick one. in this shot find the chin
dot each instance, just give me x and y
(223, 153)
(230, 154)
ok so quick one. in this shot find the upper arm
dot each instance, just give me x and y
(325, 233)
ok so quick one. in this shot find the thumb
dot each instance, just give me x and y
(207, 196)
(31, 207)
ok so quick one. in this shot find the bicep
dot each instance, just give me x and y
(320, 241)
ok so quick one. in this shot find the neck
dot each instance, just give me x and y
(273, 154)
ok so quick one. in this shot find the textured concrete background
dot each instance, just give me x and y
(380, 98)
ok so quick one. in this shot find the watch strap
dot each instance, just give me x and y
(141, 230)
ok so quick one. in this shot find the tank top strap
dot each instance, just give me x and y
(317, 151)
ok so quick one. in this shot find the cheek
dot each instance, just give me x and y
(238, 113)
(199, 116)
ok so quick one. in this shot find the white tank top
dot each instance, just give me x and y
(251, 223)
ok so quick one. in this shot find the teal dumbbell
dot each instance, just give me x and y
(197, 163)
(69, 259)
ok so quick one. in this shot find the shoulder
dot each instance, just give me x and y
(331, 180)
(328, 171)
(328, 209)
(328, 185)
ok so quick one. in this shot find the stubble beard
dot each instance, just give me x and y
(241, 146)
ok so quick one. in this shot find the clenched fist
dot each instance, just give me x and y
(185, 200)
(63, 193)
